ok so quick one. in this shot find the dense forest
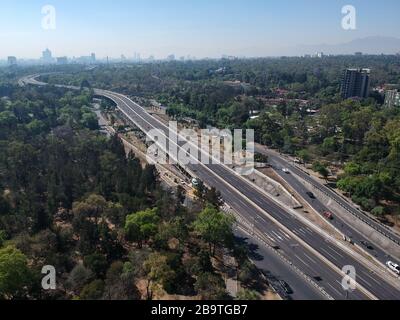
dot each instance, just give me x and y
(298, 107)
(72, 198)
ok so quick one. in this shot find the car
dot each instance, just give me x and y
(367, 245)
(285, 287)
(328, 215)
(311, 195)
(195, 182)
(286, 170)
(393, 267)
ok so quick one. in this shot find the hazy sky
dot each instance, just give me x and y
(196, 27)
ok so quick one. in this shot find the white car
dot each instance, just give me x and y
(393, 267)
(285, 170)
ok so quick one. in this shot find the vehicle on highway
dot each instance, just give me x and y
(195, 182)
(311, 195)
(328, 215)
(367, 245)
(286, 170)
(285, 287)
(393, 267)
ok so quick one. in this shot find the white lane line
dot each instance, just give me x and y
(309, 258)
(270, 238)
(370, 277)
(262, 219)
(285, 234)
(334, 289)
(365, 281)
(306, 264)
(329, 254)
(302, 231)
(277, 235)
(336, 252)
(309, 231)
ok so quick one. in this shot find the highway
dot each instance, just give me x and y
(308, 250)
(279, 163)
(237, 192)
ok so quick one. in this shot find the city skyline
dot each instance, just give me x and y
(206, 29)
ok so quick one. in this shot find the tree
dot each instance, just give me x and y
(2, 237)
(213, 197)
(321, 169)
(210, 286)
(158, 273)
(141, 226)
(90, 121)
(248, 295)
(214, 227)
(79, 277)
(97, 263)
(328, 146)
(85, 84)
(93, 290)
(15, 275)
(120, 282)
(378, 212)
(304, 155)
(149, 178)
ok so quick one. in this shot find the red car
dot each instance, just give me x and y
(328, 215)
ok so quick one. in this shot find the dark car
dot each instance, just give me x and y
(285, 287)
(367, 245)
(311, 195)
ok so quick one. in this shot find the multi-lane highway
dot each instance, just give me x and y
(280, 161)
(319, 259)
(294, 177)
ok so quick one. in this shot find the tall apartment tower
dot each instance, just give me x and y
(12, 61)
(47, 56)
(355, 83)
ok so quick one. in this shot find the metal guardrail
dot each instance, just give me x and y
(248, 228)
(346, 207)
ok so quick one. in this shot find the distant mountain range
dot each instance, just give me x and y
(369, 45)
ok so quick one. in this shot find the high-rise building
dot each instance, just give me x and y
(392, 98)
(47, 56)
(355, 83)
(62, 60)
(136, 57)
(12, 61)
(93, 56)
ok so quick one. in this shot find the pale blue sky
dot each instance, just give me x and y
(196, 27)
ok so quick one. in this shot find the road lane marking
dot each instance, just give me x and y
(370, 277)
(309, 257)
(334, 289)
(285, 234)
(302, 261)
(365, 281)
(279, 237)
(322, 249)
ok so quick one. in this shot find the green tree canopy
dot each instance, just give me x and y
(214, 227)
(141, 226)
(14, 273)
